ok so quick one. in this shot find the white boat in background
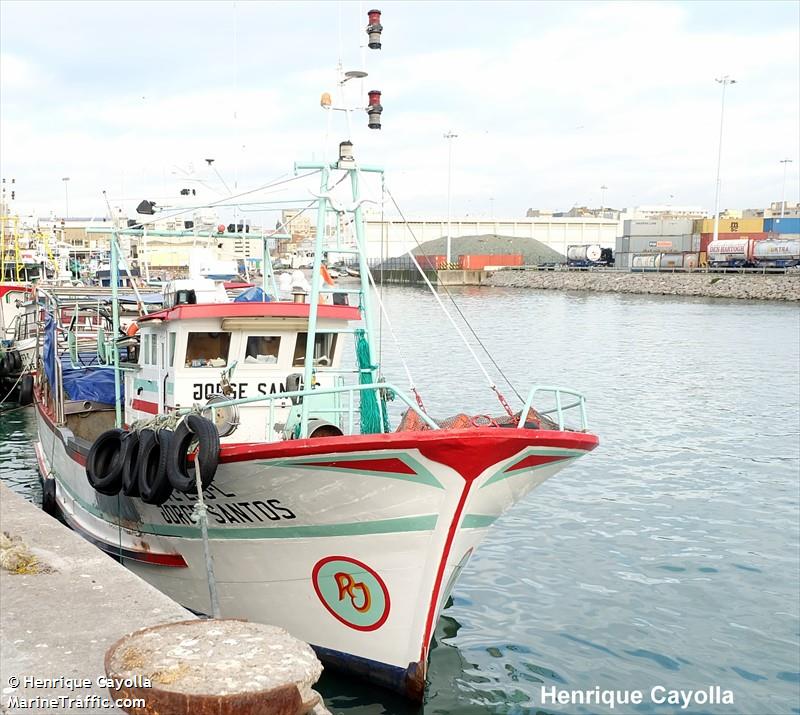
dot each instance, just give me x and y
(321, 512)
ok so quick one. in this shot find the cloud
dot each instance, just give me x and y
(550, 101)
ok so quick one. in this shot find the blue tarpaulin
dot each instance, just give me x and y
(84, 383)
(90, 383)
(255, 294)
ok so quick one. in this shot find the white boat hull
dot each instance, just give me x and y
(352, 544)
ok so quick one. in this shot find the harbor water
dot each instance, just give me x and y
(669, 558)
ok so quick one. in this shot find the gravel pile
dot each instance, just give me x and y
(533, 252)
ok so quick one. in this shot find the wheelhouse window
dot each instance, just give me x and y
(324, 346)
(207, 349)
(262, 349)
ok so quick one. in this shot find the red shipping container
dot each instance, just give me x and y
(706, 238)
(431, 262)
(479, 262)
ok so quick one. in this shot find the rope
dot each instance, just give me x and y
(200, 515)
(492, 385)
(12, 388)
(158, 422)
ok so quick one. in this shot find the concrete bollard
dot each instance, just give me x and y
(225, 667)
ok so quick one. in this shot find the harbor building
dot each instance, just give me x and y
(394, 237)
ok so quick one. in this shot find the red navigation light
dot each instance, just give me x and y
(374, 109)
(221, 228)
(374, 29)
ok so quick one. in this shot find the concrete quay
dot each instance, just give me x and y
(59, 615)
(64, 603)
(711, 285)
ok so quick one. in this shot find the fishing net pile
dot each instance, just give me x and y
(412, 422)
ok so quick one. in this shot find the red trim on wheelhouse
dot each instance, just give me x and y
(276, 309)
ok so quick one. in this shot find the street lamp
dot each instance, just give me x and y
(724, 81)
(785, 163)
(449, 136)
(65, 179)
(603, 189)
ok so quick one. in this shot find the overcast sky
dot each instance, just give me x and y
(550, 101)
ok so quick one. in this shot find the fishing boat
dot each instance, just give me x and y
(249, 458)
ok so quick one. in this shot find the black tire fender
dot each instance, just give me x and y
(179, 468)
(103, 463)
(16, 361)
(25, 390)
(49, 505)
(130, 464)
(154, 485)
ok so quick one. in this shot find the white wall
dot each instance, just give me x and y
(398, 237)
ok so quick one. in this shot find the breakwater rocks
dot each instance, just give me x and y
(712, 285)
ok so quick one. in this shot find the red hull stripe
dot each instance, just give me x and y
(253, 310)
(390, 466)
(148, 557)
(145, 406)
(535, 460)
(468, 452)
(451, 533)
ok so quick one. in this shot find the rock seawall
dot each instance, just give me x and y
(712, 285)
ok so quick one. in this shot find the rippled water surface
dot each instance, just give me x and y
(668, 557)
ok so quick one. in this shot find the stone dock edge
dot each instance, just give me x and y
(59, 617)
(785, 287)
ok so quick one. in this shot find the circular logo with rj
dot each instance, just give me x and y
(352, 592)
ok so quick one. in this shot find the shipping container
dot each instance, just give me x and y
(695, 242)
(622, 260)
(734, 225)
(697, 225)
(479, 262)
(657, 227)
(706, 238)
(778, 252)
(639, 227)
(431, 262)
(660, 244)
(788, 224)
(731, 253)
(677, 226)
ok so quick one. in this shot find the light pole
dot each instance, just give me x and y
(785, 163)
(491, 207)
(66, 194)
(603, 189)
(449, 136)
(724, 81)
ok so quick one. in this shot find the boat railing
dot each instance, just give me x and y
(347, 390)
(560, 408)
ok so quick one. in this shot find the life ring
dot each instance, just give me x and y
(130, 464)
(154, 486)
(103, 463)
(25, 390)
(180, 469)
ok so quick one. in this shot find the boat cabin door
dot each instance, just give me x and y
(150, 383)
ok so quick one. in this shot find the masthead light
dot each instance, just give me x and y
(374, 29)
